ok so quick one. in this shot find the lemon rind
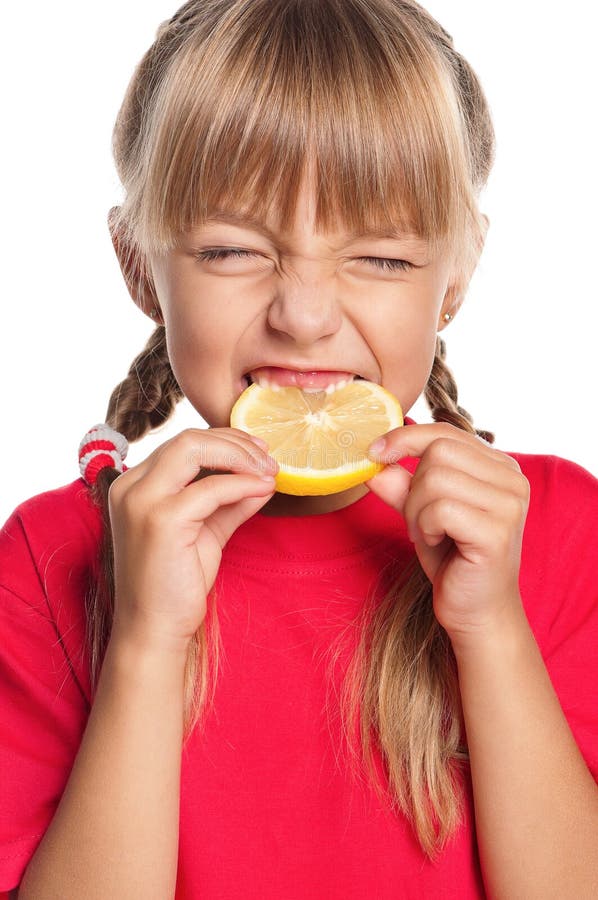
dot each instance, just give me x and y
(293, 480)
(316, 486)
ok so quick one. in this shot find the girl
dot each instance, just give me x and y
(213, 690)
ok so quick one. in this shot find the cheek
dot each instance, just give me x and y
(202, 348)
(199, 327)
(195, 344)
(200, 370)
(404, 344)
(407, 360)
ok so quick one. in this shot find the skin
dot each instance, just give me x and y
(300, 303)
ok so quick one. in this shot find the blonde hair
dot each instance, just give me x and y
(225, 111)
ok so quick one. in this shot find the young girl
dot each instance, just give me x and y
(210, 690)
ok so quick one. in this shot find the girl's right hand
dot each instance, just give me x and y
(169, 528)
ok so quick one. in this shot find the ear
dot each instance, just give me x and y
(455, 293)
(450, 305)
(137, 279)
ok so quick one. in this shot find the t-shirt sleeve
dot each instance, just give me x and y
(559, 587)
(43, 708)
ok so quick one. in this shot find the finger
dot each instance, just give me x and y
(477, 536)
(414, 440)
(201, 435)
(444, 456)
(242, 438)
(237, 433)
(225, 520)
(391, 485)
(190, 508)
(474, 460)
(218, 528)
(250, 437)
(452, 484)
(190, 452)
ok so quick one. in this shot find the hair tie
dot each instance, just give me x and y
(101, 447)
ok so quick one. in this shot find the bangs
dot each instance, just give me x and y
(271, 91)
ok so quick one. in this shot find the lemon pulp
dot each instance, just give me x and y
(319, 440)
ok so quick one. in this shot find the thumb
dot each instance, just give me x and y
(392, 485)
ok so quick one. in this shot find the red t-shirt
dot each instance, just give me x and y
(269, 808)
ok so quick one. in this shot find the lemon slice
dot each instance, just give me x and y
(319, 440)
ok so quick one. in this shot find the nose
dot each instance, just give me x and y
(306, 310)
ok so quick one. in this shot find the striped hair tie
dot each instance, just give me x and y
(101, 447)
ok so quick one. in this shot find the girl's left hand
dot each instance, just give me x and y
(465, 509)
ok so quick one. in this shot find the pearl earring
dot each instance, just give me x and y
(447, 317)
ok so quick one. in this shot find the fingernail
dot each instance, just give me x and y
(269, 479)
(377, 447)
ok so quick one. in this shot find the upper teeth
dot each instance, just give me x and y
(339, 384)
(265, 382)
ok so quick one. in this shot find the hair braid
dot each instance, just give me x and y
(442, 397)
(143, 401)
(148, 395)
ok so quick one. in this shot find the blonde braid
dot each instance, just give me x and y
(148, 395)
(442, 396)
(144, 400)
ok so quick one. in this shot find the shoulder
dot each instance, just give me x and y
(558, 578)
(57, 531)
(553, 475)
(563, 501)
(73, 498)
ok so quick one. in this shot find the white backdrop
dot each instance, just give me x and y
(522, 348)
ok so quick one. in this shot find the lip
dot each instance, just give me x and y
(309, 378)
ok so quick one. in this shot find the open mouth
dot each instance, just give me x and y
(274, 378)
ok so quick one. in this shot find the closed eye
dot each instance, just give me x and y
(214, 255)
(389, 264)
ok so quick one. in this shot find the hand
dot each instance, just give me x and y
(465, 509)
(169, 528)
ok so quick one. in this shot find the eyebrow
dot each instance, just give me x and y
(252, 222)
